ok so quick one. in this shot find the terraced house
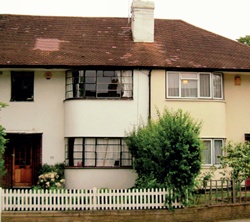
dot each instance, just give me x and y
(76, 85)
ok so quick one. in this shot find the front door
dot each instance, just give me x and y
(22, 164)
(23, 159)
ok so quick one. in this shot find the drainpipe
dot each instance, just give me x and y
(149, 94)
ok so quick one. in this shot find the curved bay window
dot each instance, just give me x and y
(97, 152)
(99, 84)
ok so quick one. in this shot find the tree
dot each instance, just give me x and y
(244, 40)
(237, 158)
(2, 146)
(167, 152)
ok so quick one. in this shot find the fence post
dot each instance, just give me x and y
(94, 198)
(1, 199)
(233, 191)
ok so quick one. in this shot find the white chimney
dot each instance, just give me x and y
(142, 20)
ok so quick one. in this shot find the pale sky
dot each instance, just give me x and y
(229, 18)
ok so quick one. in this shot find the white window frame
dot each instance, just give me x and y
(213, 157)
(197, 78)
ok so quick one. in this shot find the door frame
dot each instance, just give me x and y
(31, 174)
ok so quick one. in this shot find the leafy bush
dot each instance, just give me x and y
(167, 152)
(237, 158)
(51, 177)
(2, 147)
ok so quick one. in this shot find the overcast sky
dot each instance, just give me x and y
(229, 18)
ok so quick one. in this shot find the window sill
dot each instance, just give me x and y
(194, 100)
(207, 166)
(17, 101)
(99, 167)
(99, 99)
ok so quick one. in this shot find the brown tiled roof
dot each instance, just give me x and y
(85, 41)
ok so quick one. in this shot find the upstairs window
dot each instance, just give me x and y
(99, 84)
(22, 86)
(97, 152)
(212, 151)
(194, 85)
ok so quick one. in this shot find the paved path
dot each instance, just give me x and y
(239, 220)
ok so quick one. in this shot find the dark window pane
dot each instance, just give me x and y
(247, 137)
(22, 86)
(99, 84)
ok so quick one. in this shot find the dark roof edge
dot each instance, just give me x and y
(198, 69)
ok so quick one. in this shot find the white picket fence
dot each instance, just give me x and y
(75, 199)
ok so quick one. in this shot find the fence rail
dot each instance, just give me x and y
(212, 192)
(75, 199)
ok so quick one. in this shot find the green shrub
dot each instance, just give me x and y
(51, 177)
(3, 141)
(167, 152)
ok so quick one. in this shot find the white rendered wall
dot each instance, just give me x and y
(108, 118)
(99, 178)
(44, 115)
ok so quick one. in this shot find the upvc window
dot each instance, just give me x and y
(22, 86)
(99, 84)
(212, 151)
(97, 152)
(194, 85)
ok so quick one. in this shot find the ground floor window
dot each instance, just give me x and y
(247, 137)
(97, 152)
(212, 151)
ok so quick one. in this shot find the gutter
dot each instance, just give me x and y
(149, 94)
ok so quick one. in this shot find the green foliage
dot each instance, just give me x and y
(167, 152)
(2, 105)
(238, 159)
(2, 149)
(2, 146)
(200, 186)
(244, 40)
(51, 177)
(58, 168)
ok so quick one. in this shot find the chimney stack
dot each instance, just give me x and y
(142, 20)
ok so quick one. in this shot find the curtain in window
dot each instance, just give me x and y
(173, 84)
(108, 152)
(126, 156)
(69, 85)
(78, 149)
(189, 88)
(207, 153)
(217, 151)
(217, 84)
(204, 85)
(89, 152)
(126, 79)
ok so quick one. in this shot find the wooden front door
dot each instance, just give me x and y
(25, 152)
(22, 164)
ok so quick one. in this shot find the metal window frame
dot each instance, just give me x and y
(94, 165)
(96, 91)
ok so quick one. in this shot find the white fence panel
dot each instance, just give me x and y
(76, 199)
